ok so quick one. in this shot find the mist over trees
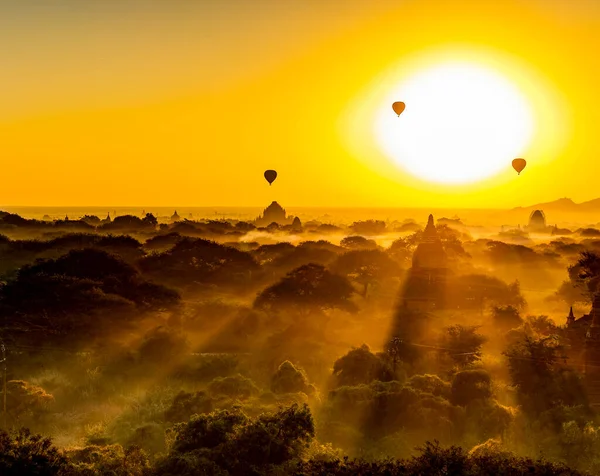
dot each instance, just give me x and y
(219, 347)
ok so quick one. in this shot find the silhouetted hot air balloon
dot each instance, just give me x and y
(270, 176)
(398, 107)
(519, 165)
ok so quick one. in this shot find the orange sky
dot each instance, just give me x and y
(186, 103)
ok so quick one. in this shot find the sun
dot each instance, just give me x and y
(462, 123)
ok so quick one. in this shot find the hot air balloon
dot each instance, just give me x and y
(519, 165)
(398, 107)
(270, 176)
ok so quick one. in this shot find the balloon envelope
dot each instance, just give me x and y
(270, 176)
(398, 107)
(519, 165)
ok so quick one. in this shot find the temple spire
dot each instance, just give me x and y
(430, 233)
(571, 317)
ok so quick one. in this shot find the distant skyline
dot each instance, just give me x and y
(120, 103)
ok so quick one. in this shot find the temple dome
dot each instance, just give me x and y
(274, 213)
(537, 221)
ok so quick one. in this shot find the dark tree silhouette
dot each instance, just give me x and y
(358, 243)
(463, 344)
(67, 295)
(474, 291)
(310, 287)
(368, 227)
(506, 317)
(585, 274)
(361, 366)
(366, 267)
(542, 380)
(201, 261)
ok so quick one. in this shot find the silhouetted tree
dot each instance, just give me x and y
(366, 267)
(150, 220)
(23, 453)
(230, 441)
(542, 383)
(474, 291)
(201, 261)
(67, 295)
(401, 251)
(470, 385)
(234, 386)
(506, 317)
(361, 366)
(358, 243)
(291, 379)
(309, 287)
(368, 227)
(463, 344)
(585, 274)
(186, 404)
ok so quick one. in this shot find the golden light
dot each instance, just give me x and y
(462, 123)
(469, 112)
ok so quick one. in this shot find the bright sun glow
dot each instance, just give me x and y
(462, 123)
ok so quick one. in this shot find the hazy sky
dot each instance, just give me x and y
(179, 102)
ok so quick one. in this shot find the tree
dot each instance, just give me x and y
(23, 453)
(469, 385)
(368, 227)
(360, 366)
(401, 251)
(228, 442)
(273, 251)
(542, 383)
(91, 220)
(186, 404)
(463, 344)
(310, 287)
(235, 386)
(109, 459)
(506, 317)
(358, 243)
(66, 296)
(366, 267)
(131, 223)
(162, 242)
(473, 291)
(150, 220)
(272, 439)
(200, 262)
(585, 274)
(291, 379)
(572, 292)
(26, 400)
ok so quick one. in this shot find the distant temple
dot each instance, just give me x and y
(426, 282)
(537, 221)
(175, 216)
(297, 225)
(274, 213)
(583, 349)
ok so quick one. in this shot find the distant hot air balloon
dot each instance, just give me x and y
(398, 107)
(519, 165)
(270, 176)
